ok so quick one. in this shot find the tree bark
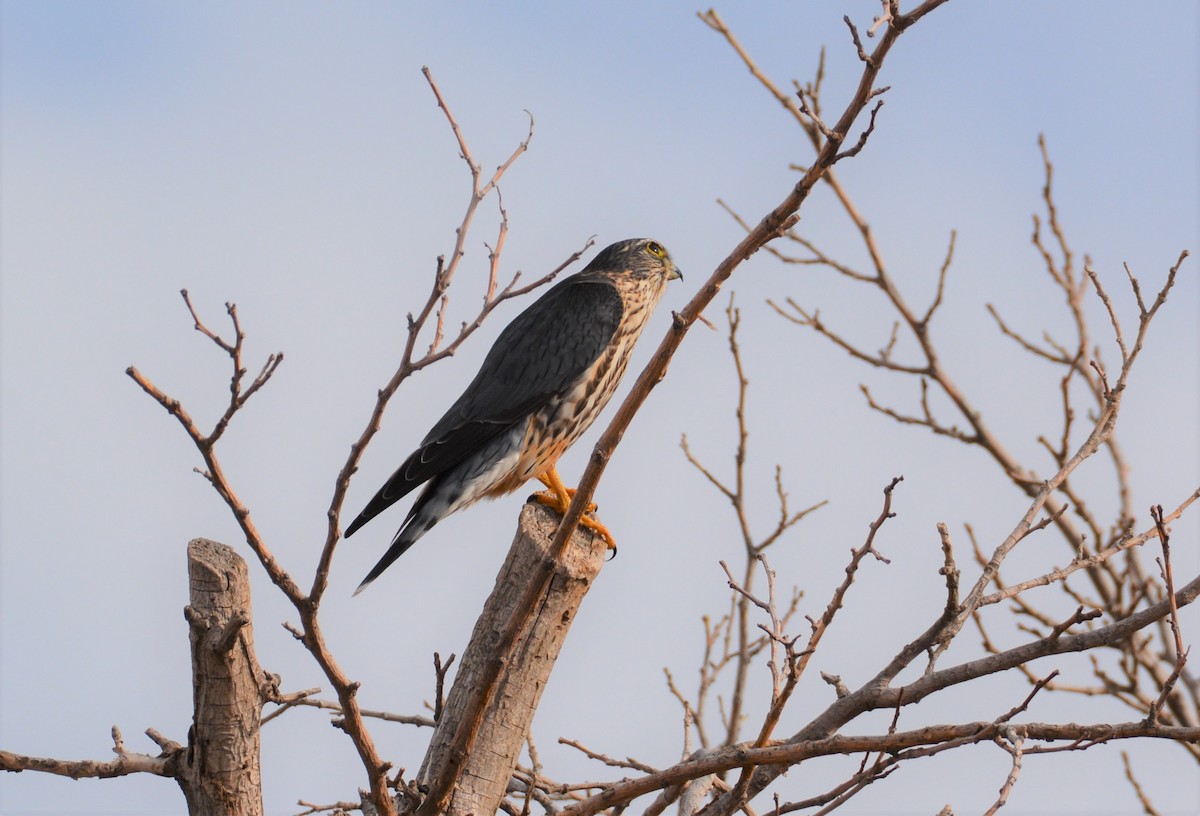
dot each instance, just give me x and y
(483, 775)
(219, 770)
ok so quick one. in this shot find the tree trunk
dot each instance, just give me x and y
(483, 777)
(219, 770)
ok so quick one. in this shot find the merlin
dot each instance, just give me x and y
(545, 380)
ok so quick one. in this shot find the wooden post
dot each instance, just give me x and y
(219, 770)
(483, 775)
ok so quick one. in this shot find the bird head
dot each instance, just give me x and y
(640, 258)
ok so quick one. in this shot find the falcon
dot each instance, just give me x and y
(544, 381)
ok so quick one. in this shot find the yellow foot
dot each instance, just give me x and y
(602, 531)
(550, 499)
(559, 498)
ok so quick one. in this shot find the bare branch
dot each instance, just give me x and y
(1147, 807)
(440, 670)
(786, 754)
(1014, 743)
(1181, 654)
(628, 762)
(367, 713)
(126, 763)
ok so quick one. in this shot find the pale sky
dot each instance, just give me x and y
(290, 158)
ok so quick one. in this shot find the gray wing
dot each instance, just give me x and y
(537, 357)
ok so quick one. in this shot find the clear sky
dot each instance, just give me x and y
(290, 158)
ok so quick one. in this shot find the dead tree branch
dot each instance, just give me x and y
(903, 745)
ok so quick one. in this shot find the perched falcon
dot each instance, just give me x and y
(549, 374)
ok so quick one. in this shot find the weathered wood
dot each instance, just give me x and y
(483, 775)
(219, 769)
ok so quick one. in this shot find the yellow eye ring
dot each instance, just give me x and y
(655, 249)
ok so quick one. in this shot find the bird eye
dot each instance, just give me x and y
(655, 249)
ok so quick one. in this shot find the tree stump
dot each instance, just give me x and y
(219, 769)
(483, 775)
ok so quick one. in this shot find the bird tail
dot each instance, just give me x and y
(400, 545)
(430, 508)
(447, 493)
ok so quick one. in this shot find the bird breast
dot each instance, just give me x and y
(567, 416)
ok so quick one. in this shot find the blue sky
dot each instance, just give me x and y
(290, 158)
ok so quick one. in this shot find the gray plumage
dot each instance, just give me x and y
(542, 384)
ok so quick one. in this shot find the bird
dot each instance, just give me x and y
(547, 377)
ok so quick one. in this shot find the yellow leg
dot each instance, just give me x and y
(559, 497)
